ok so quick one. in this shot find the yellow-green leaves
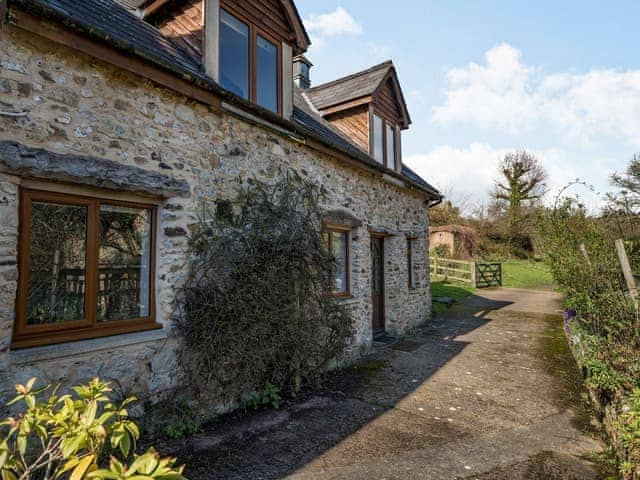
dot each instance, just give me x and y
(148, 466)
(66, 435)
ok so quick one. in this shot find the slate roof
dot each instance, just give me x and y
(348, 88)
(113, 23)
(132, 4)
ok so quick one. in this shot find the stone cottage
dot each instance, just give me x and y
(119, 118)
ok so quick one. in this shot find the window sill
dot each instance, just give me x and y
(60, 350)
(350, 300)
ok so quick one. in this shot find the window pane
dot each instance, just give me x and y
(124, 263)
(391, 147)
(234, 55)
(267, 74)
(339, 251)
(57, 263)
(378, 150)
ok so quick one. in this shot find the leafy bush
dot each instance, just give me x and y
(181, 422)
(269, 396)
(581, 252)
(604, 378)
(66, 436)
(629, 426)
(256, 309)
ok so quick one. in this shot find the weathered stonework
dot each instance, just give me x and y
(58, 100)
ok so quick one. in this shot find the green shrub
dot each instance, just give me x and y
(580, 250)
(181, 422)
(629, 427)
(270, 395)
(604, 378)
(66, 436)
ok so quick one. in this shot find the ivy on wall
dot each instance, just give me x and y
(256, 309)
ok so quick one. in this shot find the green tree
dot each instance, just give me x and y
(628, 200)
(522, 183)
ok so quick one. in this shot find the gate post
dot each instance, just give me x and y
(474, 273)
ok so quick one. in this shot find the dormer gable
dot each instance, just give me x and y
(246, 46)
(369, 108)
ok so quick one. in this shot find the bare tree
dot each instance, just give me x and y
(522, 182)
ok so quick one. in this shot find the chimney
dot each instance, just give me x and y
(301, 69)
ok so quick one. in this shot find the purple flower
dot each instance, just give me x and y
(567, 315)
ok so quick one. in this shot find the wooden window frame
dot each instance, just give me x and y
(395, 162)
(346, 231)
(25, 335)
(254, 31)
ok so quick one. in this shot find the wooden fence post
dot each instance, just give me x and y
(474, 282)
(585, 254)
(630, 279)
(626, 268)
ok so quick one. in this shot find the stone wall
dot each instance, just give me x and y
(66, 102)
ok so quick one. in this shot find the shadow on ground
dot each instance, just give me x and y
(429, 406)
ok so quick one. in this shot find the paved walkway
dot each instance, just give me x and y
(487, 391)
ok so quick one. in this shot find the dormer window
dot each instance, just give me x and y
(377, 139)
(369, 109)
(234, 55)
(267, 74)
(249, 62)
(384, 142)
(246, 46)
(390, 141)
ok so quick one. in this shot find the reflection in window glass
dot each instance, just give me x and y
(378, 144)
(57, 263)
(234, 55)
(339, 252)
(124, 263)
(391, 147)
(267, 74)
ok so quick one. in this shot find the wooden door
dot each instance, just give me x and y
(377, 285)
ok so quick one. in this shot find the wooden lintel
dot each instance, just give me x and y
(71, 39)
(345, 106)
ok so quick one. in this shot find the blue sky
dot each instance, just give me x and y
(561, 79)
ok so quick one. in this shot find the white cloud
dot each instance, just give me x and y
(332, 24)
(508, 95)
(470, 172)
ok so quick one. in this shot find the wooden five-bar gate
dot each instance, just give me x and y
(478, 274)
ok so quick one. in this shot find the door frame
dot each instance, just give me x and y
(383, 316)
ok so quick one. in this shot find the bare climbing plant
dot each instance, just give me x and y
(256, 308)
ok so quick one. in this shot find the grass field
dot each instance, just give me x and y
(457, 291)
(515, 274)
(526, 274)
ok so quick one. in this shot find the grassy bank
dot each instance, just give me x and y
(526, 274)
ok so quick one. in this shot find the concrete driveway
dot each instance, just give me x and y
(488, 391)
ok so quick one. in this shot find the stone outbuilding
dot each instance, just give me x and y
(120, 118)
(453, 240)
